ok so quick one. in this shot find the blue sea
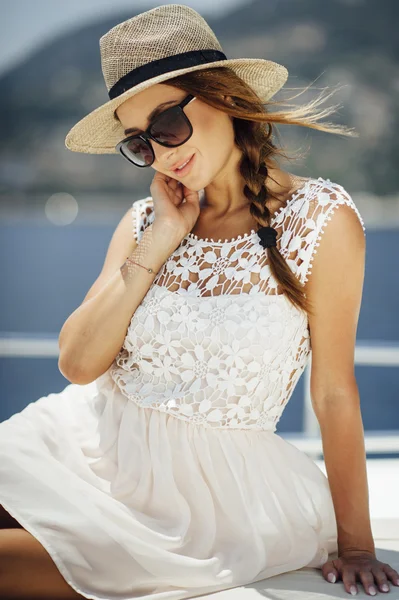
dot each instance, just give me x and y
(46, 271)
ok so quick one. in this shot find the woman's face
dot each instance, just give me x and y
(212, 140)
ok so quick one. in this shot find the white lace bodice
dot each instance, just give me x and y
(214, 341)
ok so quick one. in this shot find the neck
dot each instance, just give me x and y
(224, 196)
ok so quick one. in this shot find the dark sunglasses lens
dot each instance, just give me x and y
(138, 151)
(171, 127)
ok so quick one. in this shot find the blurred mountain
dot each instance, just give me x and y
(334, 42)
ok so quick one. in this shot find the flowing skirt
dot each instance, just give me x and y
(131, 502)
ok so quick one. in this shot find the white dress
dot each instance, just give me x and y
(165, 477)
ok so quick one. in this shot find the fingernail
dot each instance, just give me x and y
(353, 590)
(384, 587)
(331, 577)
(372, 590)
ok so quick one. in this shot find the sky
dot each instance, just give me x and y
(25, 23)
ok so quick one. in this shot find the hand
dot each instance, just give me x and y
(170, 212)
(364, 565)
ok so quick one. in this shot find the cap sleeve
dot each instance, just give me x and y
(313, 218)
(142, 216)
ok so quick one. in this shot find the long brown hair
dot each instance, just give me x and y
(254, 127)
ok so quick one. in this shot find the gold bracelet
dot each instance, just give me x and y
(136, 263)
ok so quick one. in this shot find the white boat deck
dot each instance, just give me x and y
(309, 584)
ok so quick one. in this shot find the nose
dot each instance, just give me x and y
(164, 156)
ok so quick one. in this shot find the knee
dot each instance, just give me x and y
(9, 544)
(7, 557)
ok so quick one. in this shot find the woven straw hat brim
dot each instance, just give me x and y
(100, 130)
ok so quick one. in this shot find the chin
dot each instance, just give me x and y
(204, 183)
(195, 188)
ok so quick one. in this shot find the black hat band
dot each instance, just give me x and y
(164, 65)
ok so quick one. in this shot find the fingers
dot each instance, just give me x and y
(330, 572)
(367, 579)
(381, 580)
(176, 195)
(349, 581)
(391, 574)
(372, 579)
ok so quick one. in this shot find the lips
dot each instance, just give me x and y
(181, 162)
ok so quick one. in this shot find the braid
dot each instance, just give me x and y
(254, 170)
(254, 124)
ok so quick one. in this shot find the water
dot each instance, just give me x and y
(46, 271)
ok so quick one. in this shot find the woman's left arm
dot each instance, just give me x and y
(335, 290)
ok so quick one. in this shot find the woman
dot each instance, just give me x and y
(157, 472)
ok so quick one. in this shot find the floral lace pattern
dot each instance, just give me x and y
(215, 341)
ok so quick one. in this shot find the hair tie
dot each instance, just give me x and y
(267, 236)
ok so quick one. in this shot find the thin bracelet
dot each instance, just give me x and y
(136, 263)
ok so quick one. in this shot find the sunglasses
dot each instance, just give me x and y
(170, 128)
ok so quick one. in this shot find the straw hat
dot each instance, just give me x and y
(150, 48)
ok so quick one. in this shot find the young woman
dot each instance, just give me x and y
(157, 472)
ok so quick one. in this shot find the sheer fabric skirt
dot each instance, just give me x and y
(131, 502)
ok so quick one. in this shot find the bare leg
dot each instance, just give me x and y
(27, 571)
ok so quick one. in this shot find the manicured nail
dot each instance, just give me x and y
(372, 590)
(385, 587)
(331, 577)
(353, 590)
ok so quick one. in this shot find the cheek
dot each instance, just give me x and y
(214, 137)
(218, 126)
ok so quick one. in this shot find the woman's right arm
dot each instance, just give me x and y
(93, 334)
